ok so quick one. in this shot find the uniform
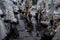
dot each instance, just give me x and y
(3, 30)
(9, 9)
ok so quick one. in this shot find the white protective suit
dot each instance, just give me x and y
(6, 6)
(9, 9)
(39, 4)
(3, 30)
(54, 12)
(15, 7)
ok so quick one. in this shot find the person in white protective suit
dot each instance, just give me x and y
(23, 5)
(2, 26)
(9, 10)
(56, 12)
(15, 7)
(39, 4)
(3, 30)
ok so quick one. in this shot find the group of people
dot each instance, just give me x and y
(13, 11)
(10, 13)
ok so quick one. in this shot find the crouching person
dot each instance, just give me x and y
(48, 34)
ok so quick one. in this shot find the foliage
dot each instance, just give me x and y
(34, 2)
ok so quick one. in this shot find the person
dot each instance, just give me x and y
(36, 16)
(2, 9)
(29, 16)
(51, 23)
(38, 29)
(40, 17)
(3, 30)
(48, 34)
(29, 27)
(22, 1)
(15, 7)
(20, 7)
(9, 10)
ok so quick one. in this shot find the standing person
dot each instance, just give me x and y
(9, 7)
(40, 15)
(36, 16)
(22, 1)
(19, 6)
(38, 28)
(30, 28)
(27, 6)
(29, 16)
(9, 13)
